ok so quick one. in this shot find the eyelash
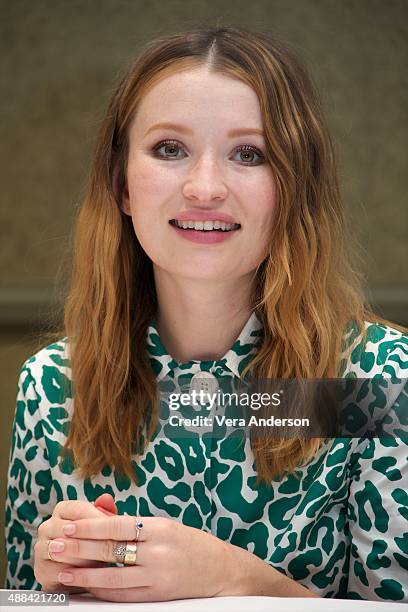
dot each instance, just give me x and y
(162, 143)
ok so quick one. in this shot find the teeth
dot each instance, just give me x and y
(207, 225)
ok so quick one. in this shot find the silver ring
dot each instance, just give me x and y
(48, 551)
(139, 526)
(119, 551)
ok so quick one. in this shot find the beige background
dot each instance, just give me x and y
(60, 60)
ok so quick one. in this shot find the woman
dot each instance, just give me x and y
(211, 245)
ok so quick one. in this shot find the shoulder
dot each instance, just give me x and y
(46, 376)
(56, 353)
(379, 360)
(382, 352)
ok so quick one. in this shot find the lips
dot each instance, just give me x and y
(209, 237)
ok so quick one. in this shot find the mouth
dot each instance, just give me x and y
(205, 226)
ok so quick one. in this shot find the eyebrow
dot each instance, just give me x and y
(184, 130)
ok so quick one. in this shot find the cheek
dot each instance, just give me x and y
(148, 182)
(262, 209)
(145, 193)
(258, 185)
(146, 229)
(149, 190)
(262, 202)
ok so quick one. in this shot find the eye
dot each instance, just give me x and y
(249, 149)
(172, 147)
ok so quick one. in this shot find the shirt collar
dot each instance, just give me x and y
(234, 360)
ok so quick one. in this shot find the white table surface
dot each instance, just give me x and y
(224, 604)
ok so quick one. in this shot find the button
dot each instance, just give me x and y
(204, 381)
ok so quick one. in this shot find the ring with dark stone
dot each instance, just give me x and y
(139, 526)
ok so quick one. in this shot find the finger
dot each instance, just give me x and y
(122, 528)
(50, 570)
(44, 552)
(62, 550)
(77, 509)
(52, 528)
(107, 502)
(110, 577)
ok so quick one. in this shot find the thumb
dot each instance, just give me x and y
(105, 502)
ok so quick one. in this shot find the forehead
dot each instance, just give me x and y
(198, 95)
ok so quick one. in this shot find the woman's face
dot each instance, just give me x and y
(196, 153)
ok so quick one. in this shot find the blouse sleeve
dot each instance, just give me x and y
(378, 512)
(30, 495)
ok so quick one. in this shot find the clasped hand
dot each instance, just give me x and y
(174, 561)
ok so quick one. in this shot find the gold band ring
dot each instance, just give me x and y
(130, 553)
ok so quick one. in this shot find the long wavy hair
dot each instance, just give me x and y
(306, 291)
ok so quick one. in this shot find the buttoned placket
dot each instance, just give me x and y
(207, 382)
(206, 376)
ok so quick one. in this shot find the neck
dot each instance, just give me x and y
(199, 319)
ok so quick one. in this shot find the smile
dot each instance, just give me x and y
(205, 226)
(205, 232)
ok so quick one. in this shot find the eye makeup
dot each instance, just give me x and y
(177, 146)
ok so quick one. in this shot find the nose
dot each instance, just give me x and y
(205, 182)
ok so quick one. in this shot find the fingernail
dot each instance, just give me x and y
(56, 546)
(65, 577)
(69, 529)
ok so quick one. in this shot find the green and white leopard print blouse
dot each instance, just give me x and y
(340, 530)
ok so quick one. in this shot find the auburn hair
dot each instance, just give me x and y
(306, 291)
